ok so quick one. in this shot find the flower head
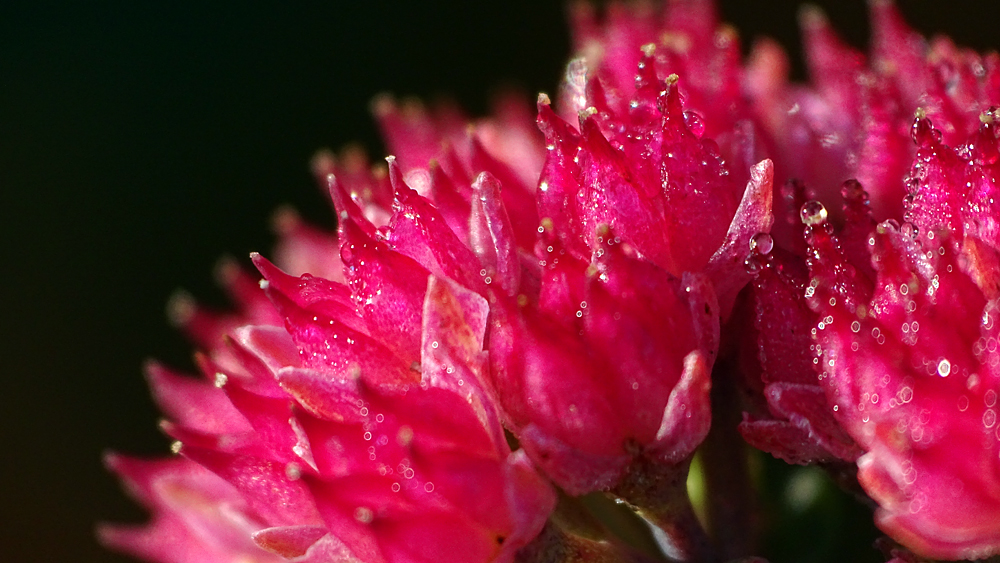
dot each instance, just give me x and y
(567, 281)
(895, 315)
(363, 431)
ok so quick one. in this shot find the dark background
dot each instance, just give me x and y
(140, 141)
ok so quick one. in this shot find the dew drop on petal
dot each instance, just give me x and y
(944, 368)
(761, 243)
(813, 213)
(363, 514)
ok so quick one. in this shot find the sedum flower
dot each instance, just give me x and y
(573, 281)
(321, 437)
(875, 349)
(909, 355)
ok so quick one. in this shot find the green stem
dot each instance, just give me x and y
(658, 493)
(555, 545)
(724, 461)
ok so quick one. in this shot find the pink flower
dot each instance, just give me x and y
(572, 277)
(359, 429)
(909, 359)
(899, 317)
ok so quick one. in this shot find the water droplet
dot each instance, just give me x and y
(429, 487)
(395, 487)
(812, 213)
(989, 418)
(761, 243)
(694, 123)
(922, 132)
(944, 368)
(852, 191)
(404, 436)
(905, 394)
(990, 398)
(963, 403)
(363, 514)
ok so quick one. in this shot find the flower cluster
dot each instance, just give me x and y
(537, 306)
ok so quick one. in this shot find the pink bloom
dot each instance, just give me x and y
(364, 433)
(572, 276)
(900, 316)
(909, 360)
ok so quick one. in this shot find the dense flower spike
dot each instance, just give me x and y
(908, 364)
(574, 281)
(360, 429)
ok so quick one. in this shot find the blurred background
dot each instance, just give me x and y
(141, 141)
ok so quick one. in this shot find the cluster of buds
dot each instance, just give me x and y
(532, 307)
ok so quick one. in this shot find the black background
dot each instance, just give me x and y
(140, 141)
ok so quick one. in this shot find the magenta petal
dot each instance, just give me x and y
(303, 249)
(329, 548)
(806, 407)
(753, 216)
(430, 538)
(612, 197)
(517, 197)
(576, 471)
(491, 234)
(196, 515)
(453, 204)
(559, 182)
(193, 403)
(687, 416)
(693, 171)
(896, 46)
(784, 322)
(328, 345)
(289, 541)
(531, 498)
(388, 289)
(272, 489)
(273, 424)
(525, 352)
(311, 293)
(784, 441)
(410, 131)
(886, 151)
(261, 351)
(636, 316)
(453, 356)
(326, 397)
(419, 231)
